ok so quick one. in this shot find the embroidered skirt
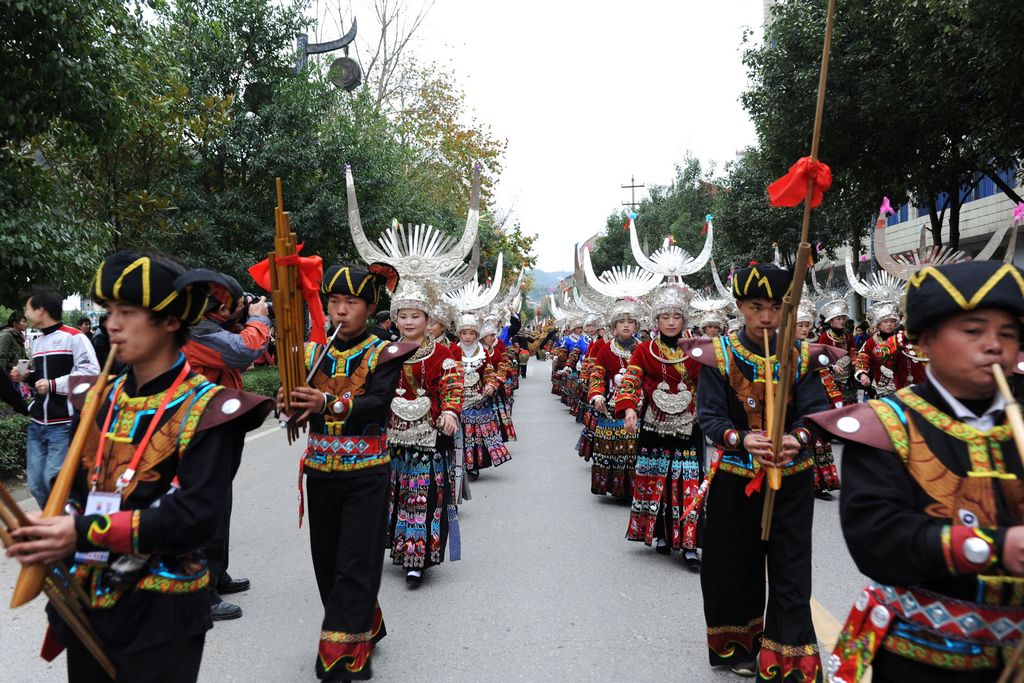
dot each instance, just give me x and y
(503, 411)
(479, 441)
(614, 452)
(826, 476)
(585, 444)
(419, 495)
(668, 474)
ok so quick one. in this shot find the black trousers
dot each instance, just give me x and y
(174, 662)
(347, 535)
(732, 576)
(217, 554)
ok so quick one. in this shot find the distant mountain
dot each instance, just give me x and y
(544, 280)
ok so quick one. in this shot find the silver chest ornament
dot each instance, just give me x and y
(671, 411)
(411, 420)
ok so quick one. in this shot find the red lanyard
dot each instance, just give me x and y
(127, 476)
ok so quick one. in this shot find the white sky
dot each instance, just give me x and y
(589, 93)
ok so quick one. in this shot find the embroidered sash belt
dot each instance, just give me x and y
(957, 629)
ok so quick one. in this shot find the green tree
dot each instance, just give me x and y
(915, 100)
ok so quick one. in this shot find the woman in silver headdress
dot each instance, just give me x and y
(826, 476)
(497, 358)
(424, 417)
(480, 438)
(656, 398)
(613, 447)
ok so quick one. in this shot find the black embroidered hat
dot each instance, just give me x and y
(937, 292)
(152, 282)
(761, 281)
(367, 283)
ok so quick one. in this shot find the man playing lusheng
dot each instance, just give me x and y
(346, 464)
(933, 504)
(154, 474)
(777, 643)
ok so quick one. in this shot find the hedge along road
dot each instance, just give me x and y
(547, 588)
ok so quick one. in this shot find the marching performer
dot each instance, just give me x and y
(779, 642)
(933, 506)
(826, 476)
(656, 399)
(346, 464)
(614, 448)
(497, 358)
(479, 440)
(154, 474)
(833, 307)
(424, 417)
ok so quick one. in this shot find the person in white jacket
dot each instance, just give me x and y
(60, 352)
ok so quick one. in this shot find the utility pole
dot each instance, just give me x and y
(632, 187)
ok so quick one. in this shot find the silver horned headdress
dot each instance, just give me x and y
(416, 250)
(669, 260)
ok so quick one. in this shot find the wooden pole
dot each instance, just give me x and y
(787, 322)
(1012, 667)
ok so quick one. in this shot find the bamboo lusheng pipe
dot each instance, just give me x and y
(66, 596)
(1014, 666)
(30, 578)
(790, 302)
(289, 311)
(772, 474)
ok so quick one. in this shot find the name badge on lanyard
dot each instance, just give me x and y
(99, 503)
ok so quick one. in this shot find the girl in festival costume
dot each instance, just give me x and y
(826, 476)
(479, 440)
(656, 397)
(614, 447)
(424, 417)
(497, 359)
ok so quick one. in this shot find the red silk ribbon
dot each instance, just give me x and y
(755, 484)
(791, 189)
(311, 272)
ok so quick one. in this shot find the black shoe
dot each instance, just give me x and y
(414, 578)
(228, 585)
(744, 669)
(663, 549)
(692, 562)
(823, 495)
(473, 474)
(224, 611)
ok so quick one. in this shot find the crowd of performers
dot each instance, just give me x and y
(396, 431)
(674, 422)
(670, 388)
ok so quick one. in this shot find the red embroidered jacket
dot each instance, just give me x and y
(845, 341)
(605, 367)
(440, 375)
(646, 372)
(892, 353)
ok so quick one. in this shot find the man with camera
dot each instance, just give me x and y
(233, 333)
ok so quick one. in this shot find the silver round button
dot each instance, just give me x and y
(848, 424)
(697, 352)
(976, 550)
(880, 616)
(231, 406)
(80, 388)
(823, 359)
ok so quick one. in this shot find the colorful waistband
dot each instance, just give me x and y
(326, 453)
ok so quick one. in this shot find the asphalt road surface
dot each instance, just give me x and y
(547, 588)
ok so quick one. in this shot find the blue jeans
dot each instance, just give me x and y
(44, 454)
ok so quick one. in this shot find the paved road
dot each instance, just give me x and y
(547, 589)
